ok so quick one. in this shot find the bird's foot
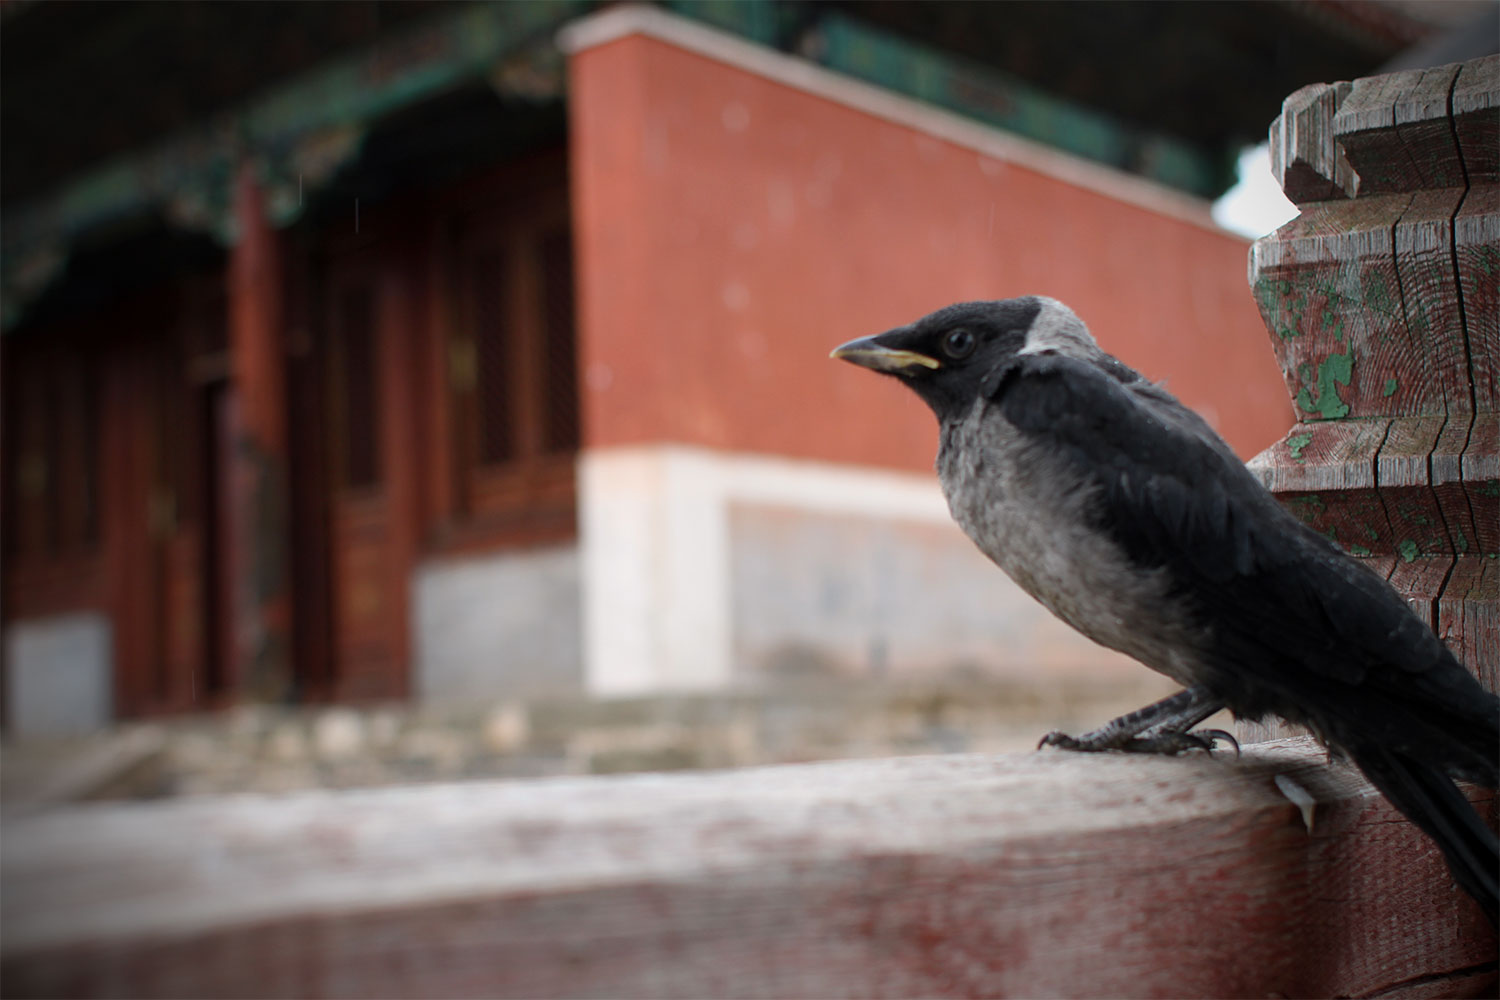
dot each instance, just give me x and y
(1170, 742)
(1175, 742)
(1061, 740)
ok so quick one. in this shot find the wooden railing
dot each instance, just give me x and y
(1049, 874)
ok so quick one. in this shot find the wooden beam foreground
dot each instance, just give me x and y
(1049, 874)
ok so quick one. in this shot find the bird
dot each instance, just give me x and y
(1121, 511)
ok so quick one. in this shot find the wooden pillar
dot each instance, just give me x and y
(400, 317)
(1381, 304)
(258, 466)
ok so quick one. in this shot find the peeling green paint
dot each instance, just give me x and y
(1460, 542)
(1274, 296)
(1408, 550)
(1486, 258)
(1390, 387)
(1418, 320)
(1269, 291)
(1377, 294)
(1415, 516)
(1296, 443)
(1488, 488)
(1333, 321)
(1306, 509)
(1359, 550)
(1335, 371)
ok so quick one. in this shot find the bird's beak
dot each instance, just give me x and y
(869, 352)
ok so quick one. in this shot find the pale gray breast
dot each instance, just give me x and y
(1029, 512)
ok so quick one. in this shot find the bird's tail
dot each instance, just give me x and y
(1428, 797)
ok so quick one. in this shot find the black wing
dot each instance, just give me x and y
(1296, 627)
(1294, 622)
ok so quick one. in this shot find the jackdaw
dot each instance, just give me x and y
(1122, 512)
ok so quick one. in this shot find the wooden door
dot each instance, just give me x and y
(116, 418)
(165, 414)
(368, 562)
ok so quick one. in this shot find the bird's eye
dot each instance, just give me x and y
(958, 344)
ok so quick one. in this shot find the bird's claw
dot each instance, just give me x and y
(1212, 737)
(1170, 742)
(1061, 740)
(1175, 742)
(1087, 743)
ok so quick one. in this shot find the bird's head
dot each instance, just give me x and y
(945, 356)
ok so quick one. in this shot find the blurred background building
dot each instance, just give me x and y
(388, 350)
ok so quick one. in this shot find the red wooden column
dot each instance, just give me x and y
(258, 465)
(400, 317)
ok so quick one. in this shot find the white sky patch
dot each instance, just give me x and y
(1255, 206)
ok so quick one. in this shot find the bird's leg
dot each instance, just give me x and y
(1171, 735)
(1117, 732)
(1161, 727)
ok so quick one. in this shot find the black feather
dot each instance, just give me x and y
(1430, 800)
(1295, 626)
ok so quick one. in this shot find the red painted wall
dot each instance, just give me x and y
(731, 230)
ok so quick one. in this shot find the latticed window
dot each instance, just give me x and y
(52, 506)
(495, 350)
(354, 373)
(511, 366)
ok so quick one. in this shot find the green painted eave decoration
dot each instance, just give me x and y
(402, 71)
(763, 21)
(856, 48)
(298, 133)
(850, 46)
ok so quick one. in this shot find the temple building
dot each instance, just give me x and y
(388, 350)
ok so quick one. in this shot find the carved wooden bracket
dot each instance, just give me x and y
(1383, 304)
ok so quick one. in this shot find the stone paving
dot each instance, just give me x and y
(265, 749)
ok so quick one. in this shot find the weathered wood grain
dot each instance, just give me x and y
(1267, 730)
(1476, 238)
(1381, 565)
(1419, 579)
(1048, 874)
(1468, 616)
(1429, 370)
(1327, 287)
(1446, 466)
(1481, 480)
(1395, 132)
(1404, 484)
(1306, 161)
(1404, 452)
(1426, 130)
(1324, 473)
(1476, 118)
(1323, 455)
(1425, 221)
(1365, 127)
